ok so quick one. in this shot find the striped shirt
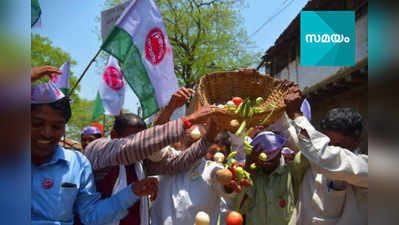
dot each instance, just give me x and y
(105, 152)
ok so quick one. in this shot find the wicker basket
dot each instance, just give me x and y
(220, 87)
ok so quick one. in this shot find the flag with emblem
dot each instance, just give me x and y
(111, 94)
(140, 42)
(62, 80)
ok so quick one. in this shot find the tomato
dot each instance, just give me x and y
(237, 101)
(244, 182)
(233, 171)
(234, 218)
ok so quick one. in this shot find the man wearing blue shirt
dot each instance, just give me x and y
(62, 180)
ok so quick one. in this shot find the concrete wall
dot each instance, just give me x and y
(310, 75)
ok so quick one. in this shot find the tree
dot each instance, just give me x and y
(44, 53)
(81, 115)
(206, 35)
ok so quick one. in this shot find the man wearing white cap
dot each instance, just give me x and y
(62, 180)
(335, 190)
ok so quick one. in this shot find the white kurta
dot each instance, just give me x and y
(335, 190)
(182, 196)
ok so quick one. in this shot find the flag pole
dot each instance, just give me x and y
(84, 72)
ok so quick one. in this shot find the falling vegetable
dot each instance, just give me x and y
(241, 128)
(195, 134)
(234, 218)
(202, 218)
(232, 155)
(218, 157)
(234, 123)
(233, 161)
(263, 156)
(224, 176)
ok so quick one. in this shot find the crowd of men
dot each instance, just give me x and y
(162, 175)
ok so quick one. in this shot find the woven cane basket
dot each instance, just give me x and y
(220, 87)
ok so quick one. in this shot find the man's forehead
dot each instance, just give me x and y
(47, 118)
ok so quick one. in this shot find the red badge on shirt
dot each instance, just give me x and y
(48, 183)
(283, 203)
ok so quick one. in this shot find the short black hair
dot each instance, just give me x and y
(343, 120)
(62, 105)
(223, 138)
(128, 120)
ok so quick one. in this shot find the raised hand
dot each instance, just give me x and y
(204, 113)
(38, 72)
(180, 97)
(293, 100)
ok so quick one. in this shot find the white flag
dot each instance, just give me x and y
(62, 80)
(112, 88)
(146, 56)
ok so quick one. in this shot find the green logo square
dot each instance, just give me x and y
(327, 38)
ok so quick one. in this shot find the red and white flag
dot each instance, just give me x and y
(112, 88)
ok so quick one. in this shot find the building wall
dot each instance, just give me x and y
(310, 75)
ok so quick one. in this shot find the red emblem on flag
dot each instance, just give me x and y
(54, 78)
(48, 183)
(155, 46)
(113, 78)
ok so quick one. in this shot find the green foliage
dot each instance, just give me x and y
(44, 53)
(205, 35)
(81, 113)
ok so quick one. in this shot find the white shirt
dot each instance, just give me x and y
(182, 196)
(335, 190)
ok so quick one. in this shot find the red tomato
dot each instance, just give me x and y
(234, 218)
(237, 101)
(233, 171)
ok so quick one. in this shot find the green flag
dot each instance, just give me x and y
(140, 43)
(35, 12)
(98, 108)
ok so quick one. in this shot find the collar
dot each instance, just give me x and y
(282, 167)
(59, 156)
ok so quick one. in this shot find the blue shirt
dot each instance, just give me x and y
(66, 185)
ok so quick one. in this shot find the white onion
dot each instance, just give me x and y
(195, 134)
(218, 157)
(202, 218)
(230, 103)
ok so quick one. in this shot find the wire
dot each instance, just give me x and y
(270, 19)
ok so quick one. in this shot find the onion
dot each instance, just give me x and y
(218, 157)
(230, 103)
(224, 176)
(195, 134)
(234, 123)
(202, 218)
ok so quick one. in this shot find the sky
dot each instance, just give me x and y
(72, 25)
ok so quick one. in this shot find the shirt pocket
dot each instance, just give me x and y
(323, 221)
(330, 203)
(67, 198)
